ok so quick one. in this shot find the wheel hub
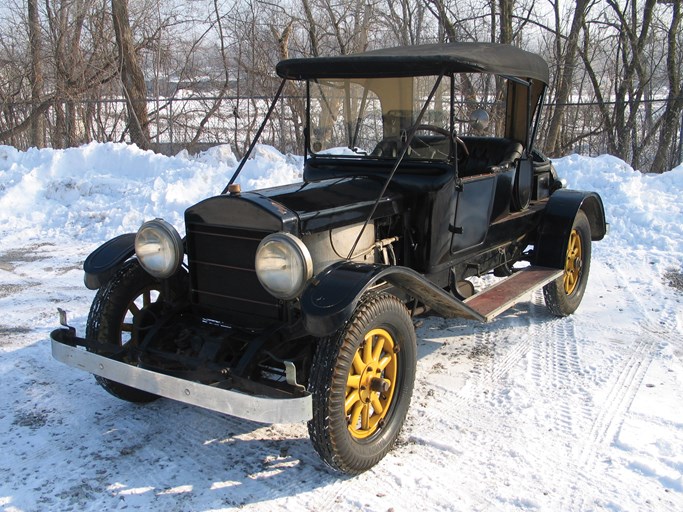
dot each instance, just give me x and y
(367, 380)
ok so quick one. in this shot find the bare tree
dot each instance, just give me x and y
(37, 121)
(564, 71)
(312, 28)
(406, 21)
(132, 79)
(444, 18)
(506, 8)
(665, 156)
(218, 100)
(625, 49)
(338, 27)
(65, 24)
(210, 64)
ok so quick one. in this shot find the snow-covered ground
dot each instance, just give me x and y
(530, 412)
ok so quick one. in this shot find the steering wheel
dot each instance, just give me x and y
(442, 131)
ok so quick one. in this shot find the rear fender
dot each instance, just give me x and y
(331, 298)
(558, 219)
(101, 264)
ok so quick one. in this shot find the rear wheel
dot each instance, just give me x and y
(362, 381)
(564, 295)
(115, 316)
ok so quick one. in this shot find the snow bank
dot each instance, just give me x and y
(98, 191)
(644, 210)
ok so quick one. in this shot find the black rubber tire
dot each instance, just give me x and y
(558, 301)
(332, 363)
(106, 318)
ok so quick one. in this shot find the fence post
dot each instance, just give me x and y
(170, 123)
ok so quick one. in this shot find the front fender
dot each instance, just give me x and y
(101, 264)
(558, 219)
(331, 298)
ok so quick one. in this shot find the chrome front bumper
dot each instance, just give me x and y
(234, 403)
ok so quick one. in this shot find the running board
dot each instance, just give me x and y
(492, 301)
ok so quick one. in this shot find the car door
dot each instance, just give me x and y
(472, 211)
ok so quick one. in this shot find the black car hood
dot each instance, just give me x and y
(300, 207)
(337, 202)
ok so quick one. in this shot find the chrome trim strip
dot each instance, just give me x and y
(234, 403)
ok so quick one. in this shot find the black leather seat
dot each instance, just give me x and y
(489, 155)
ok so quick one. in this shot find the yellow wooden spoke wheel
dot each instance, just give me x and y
(574, 263)
(371, 383)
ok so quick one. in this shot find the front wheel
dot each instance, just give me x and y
(564, 295)
(362, 381)
(115, 316)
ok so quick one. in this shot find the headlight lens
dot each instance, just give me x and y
(283, 265)
(159, 248)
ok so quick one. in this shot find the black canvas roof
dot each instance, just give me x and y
(429, 59)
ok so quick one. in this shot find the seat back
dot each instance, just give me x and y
(489, 155)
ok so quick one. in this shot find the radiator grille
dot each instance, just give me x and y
(223, 278)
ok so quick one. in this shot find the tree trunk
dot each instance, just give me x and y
(506, 7)
(620, 116)
(674, 105)
(442, 17)
(37, 121)
(505, 37)
(311, 28)
(132, 78)
(565, 80)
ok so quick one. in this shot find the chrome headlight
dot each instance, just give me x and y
(283, 265)
(159, 248)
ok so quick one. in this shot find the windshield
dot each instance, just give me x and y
(371, 117)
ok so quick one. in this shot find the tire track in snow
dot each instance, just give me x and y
(505, 347)
(622, 388)
(498, 350)
(555, 367)
(551, 348)
(625, 382)
(549, 369)
(495, 351)
(442, 402)
(518, 350)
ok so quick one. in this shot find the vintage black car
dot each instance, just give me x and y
(298, 303)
